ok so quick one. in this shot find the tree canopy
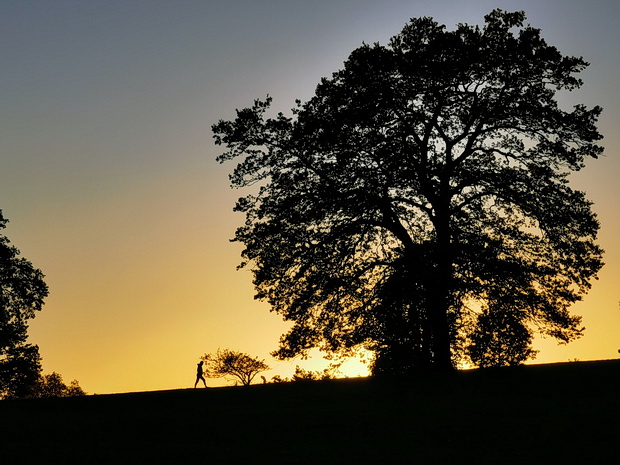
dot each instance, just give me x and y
(22, 291)
(419, 204)
(226, 362)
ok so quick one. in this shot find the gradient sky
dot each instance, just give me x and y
(108, 177)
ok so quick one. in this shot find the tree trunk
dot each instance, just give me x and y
(438, 319)
(439, 291)
(434, 272)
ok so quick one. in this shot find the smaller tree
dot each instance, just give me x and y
(52, 385)
(235, 364)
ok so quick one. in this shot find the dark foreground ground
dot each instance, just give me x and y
(552, 414)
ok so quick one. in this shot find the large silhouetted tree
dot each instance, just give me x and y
(22, 291)
(419, 202)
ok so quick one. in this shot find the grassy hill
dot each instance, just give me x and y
(561, 413)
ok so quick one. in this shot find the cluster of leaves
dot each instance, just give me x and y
(229, 363)
(418, 205)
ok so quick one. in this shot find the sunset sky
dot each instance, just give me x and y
(109, 180)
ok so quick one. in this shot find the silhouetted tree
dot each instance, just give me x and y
(236, 364)
(52, 385)
(420, 193)
(22, 291)
(74, 389)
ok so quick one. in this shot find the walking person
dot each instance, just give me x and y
(199, 375)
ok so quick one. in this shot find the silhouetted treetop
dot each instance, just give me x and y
(419, 202)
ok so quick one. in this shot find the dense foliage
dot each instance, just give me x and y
(418, 205)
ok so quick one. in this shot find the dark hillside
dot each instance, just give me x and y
(561, 413)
